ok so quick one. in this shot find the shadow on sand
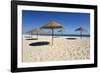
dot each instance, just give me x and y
(39, 43)
(71, 38)
(32, 39)
(55, 37)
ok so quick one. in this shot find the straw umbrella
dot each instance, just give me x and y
(49, 32)
(81, 29)
(37, 31)
(30, 33)
(52, 25)
(61, 30)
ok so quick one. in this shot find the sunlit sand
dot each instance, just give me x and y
(64, 48)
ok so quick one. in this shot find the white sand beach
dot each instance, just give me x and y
(62, 49)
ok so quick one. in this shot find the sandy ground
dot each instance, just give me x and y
(63, 49)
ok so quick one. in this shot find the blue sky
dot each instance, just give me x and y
(71, 21)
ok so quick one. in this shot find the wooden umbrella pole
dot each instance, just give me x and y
(37, 35)
(62, 33)
(31, 35)
(80, 34)
(52, 36)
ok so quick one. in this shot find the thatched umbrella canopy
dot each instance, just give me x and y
(37, 30)
(81, 29)
(52, 25)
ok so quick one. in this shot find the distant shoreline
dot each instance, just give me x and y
(61, 35)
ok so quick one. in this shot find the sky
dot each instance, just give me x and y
(70, 20)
